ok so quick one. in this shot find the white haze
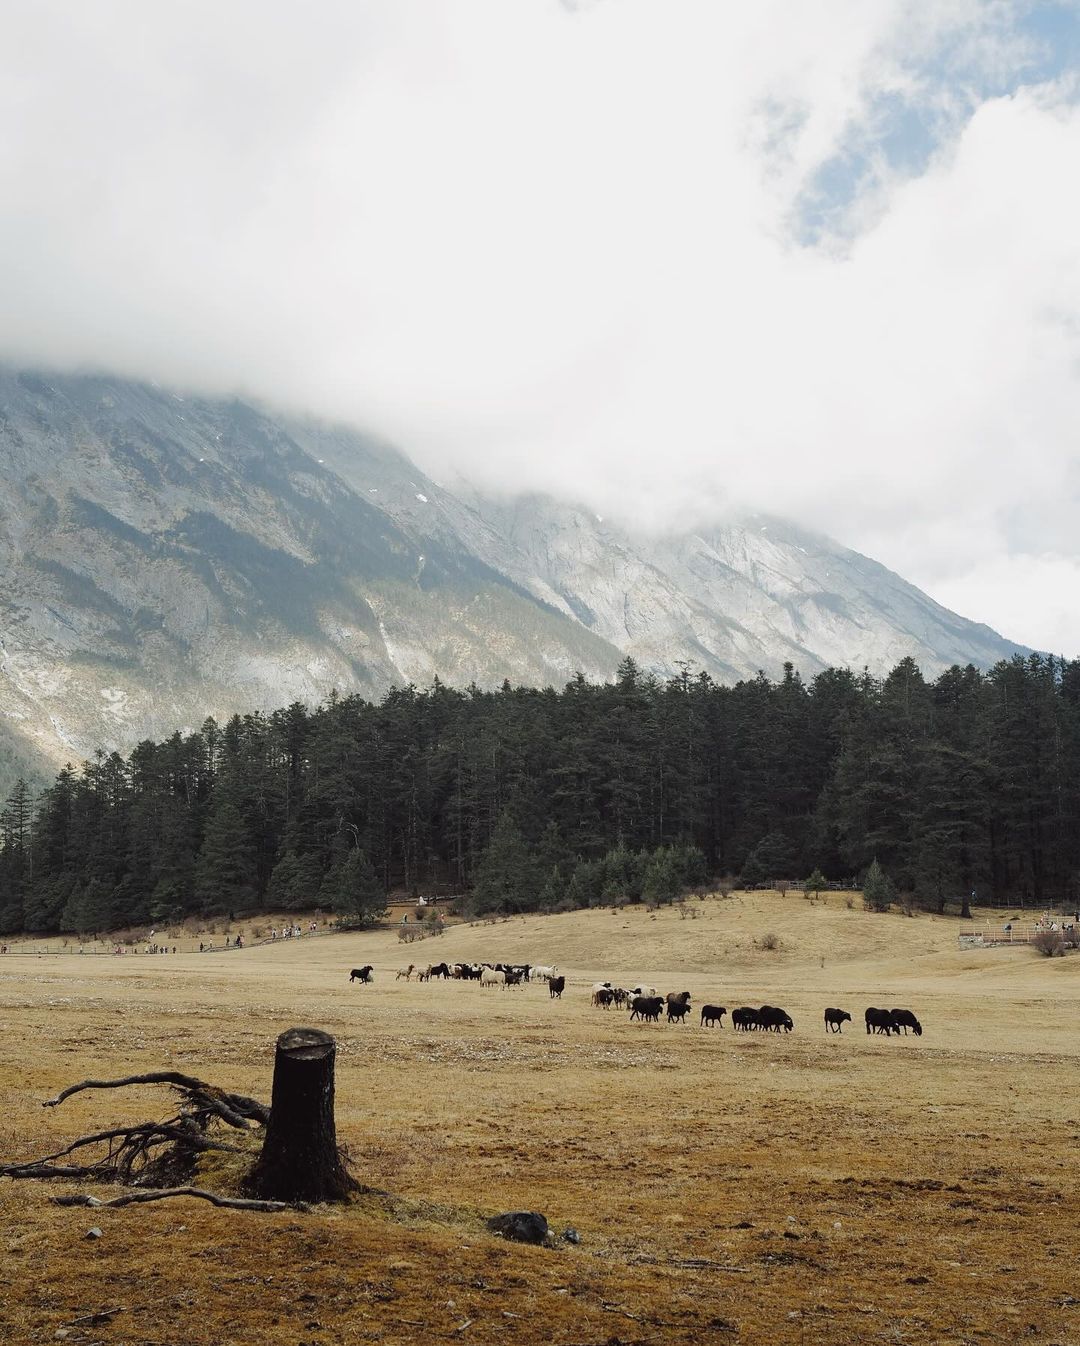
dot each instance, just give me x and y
(565, 246)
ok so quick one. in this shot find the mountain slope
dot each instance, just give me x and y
(164, 558)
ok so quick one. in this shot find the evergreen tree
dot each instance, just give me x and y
(661, 878)
(878, 891)
(506, 876)
(770, 860)
(553, 892)
(224, 872)
(352, 889)
(295, 882)
(15, 867)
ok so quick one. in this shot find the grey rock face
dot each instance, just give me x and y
(165, 558)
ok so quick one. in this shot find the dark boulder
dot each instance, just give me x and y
(522, 1226)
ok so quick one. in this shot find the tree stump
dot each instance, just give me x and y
(300, 1159)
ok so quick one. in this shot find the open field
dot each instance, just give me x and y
(839, 1189)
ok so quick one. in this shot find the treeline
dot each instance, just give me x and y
(525, 798)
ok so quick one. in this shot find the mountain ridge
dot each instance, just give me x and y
(164, 557)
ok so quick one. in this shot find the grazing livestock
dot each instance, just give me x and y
(603, 998)
(772, 1020)
(514, 978)
(713, 1014)
(744, 1018)
(835, 1020)
(545, 973)
(905, 1019)
(405, 972)
(647, 1008)
(490, 977)
(678, 1006)
(881, 1021)
(621, 997)
(556, 986)
(439, 970)
(361, 974)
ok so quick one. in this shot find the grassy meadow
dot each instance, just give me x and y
(752, 1188)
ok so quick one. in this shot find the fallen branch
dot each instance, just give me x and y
(699, 1263)
(56, 1171)
(98, 1316)
(618, 1308)
(141, 1197)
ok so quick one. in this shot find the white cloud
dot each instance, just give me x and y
(559, 247)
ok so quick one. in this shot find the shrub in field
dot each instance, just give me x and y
(769, 942)
(1049, 942)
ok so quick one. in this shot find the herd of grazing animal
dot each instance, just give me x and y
(645, 1003)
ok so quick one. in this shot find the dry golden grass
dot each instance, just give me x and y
(839, 1189)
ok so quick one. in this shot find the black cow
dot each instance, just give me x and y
(772, 1020)
(905, 1019)
(361, 974)
(744, 1018)
(556, 986)
(835, 1020)
(647, 1008)
(712, 1014)
(881, 1021)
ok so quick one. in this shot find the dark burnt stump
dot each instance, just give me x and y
(300, 1159)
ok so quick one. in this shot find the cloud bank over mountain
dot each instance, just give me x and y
(669, 258)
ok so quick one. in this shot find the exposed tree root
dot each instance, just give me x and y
(235, 1109)
(154, 1155)
(138, 1198)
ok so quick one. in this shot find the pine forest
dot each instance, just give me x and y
(525, 799)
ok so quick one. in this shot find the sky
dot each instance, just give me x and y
(672, 258)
